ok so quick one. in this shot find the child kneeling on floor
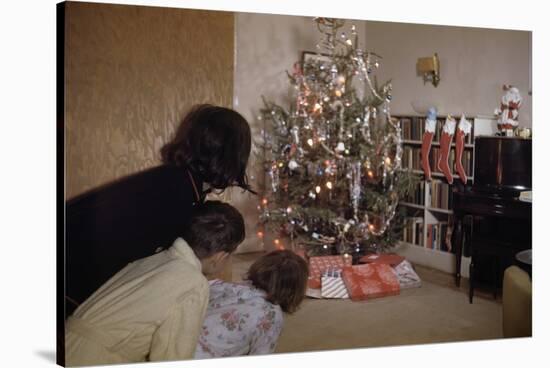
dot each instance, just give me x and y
(154, 308)
(247, 318)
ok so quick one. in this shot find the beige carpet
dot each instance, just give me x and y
(436, 312)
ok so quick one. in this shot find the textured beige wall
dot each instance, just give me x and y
(475, 63)
(131, 74)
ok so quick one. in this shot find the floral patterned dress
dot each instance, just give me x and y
(239, 321)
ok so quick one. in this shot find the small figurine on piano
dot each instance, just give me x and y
(508, 111)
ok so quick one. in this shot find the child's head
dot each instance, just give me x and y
(214, 142)
(214, 231)
(282, 274)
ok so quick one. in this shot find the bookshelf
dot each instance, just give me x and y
(427, 233)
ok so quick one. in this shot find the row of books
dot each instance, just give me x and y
(417, 195)
(412, 158)
(412, 128)
(413, 231)
(440, 195)
(438, 236)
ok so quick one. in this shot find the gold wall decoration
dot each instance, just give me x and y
(131, 73)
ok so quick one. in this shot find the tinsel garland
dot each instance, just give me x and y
(333, 158)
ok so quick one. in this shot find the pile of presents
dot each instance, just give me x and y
(375, 276)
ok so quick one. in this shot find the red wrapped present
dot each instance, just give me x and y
(391, 259)
(318, 265)
(369, 281)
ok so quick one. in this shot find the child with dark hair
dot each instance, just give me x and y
(247, 318)
(129, 219)
(153, 309)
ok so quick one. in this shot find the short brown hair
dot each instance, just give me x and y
(214, 226)
(282, 274)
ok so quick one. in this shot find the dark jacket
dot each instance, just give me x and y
(113, 225)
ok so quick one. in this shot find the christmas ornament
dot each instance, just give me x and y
(334, 156)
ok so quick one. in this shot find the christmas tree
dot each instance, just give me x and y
(333, 157)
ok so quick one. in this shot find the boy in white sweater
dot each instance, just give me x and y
(153, 309)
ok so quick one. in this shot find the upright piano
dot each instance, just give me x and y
(491, 222)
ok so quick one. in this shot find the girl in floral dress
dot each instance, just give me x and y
(247, 318)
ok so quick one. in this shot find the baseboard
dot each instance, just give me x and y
(436, 259)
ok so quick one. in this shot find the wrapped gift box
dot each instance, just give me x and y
(406, 275)
(373, 280)
(332, 285)
(391, 259)
(318, 265)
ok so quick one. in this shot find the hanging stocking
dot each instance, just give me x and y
(464, 128)
(445, 148)
(427, 142)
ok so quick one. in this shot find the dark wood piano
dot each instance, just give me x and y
(491, 223)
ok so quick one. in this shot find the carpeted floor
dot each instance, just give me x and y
(436, 312)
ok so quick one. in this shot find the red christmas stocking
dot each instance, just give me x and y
(464, 128)
(426, 145)
(445, 148)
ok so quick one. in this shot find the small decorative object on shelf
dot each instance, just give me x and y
(508, 111)
(524, 133)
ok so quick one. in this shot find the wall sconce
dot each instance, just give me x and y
(428, 67)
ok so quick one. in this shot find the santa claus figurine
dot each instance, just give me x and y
(508, 110)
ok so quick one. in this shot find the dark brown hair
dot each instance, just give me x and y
(282, 274)
(214, 142)
(214, 226)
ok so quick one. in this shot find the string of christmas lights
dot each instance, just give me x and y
(333, 158)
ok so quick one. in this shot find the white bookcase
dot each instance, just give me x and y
(429, 242)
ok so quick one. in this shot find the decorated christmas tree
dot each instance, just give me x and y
(333, 157)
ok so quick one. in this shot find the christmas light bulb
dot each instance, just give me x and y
(348, 41)
(341, 79)
(338, 93)
(260, 234)
(329, 185)
(317, 107)
(276, 241)
(310, 142)
(318, 189)
(281, 164)
(264, 201)
(289, 210)
(325, 246)
(370, 174)
(387, 161)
